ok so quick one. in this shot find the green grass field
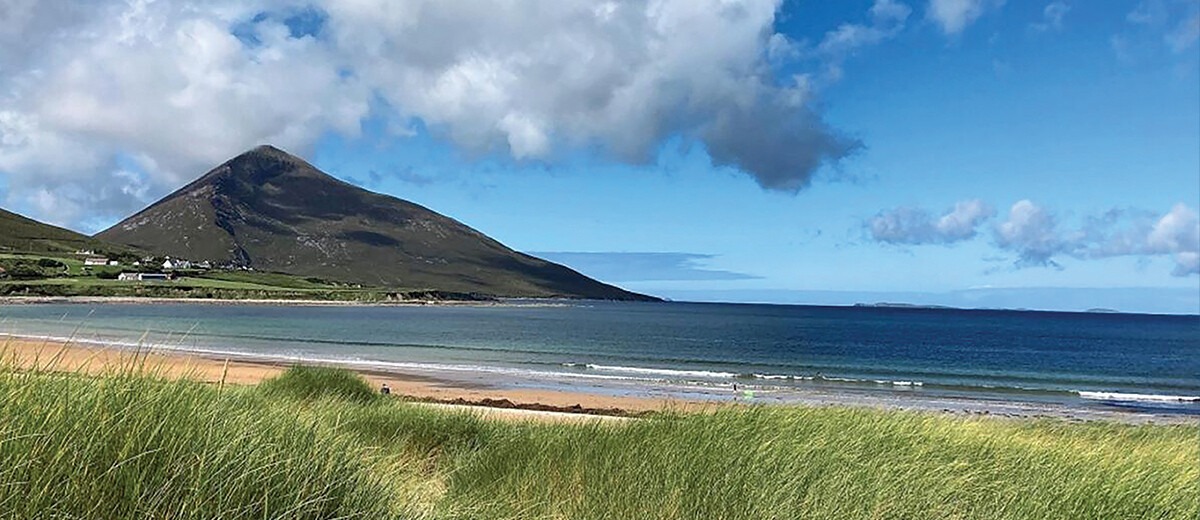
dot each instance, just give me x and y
(76, 280)
(319, 443)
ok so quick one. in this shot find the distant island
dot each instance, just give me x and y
(891, 305)
(900, 305)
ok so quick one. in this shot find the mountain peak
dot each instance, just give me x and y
(260, 165)
(268, 152)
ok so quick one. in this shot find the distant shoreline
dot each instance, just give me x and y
(36, 300)
(97, 358)
(504, 302)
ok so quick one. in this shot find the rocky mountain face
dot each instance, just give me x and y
(271, 211)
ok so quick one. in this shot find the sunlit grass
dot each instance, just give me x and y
(128, 446)
(319, 443)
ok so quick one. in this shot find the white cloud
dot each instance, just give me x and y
(1031, 231)
(163, 81)
(914, 226)
(1052, 16)
(83, 84)
(960, 223)
(887, 20)
(1034, 234)
(1177, 233)
(1186, 263)
(1037, 237)
(1175, 22)
(1148, 12)
(953, 16)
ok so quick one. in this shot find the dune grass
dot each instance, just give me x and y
(312, 444)
(834, 463)
(129, 446)
(315, 382)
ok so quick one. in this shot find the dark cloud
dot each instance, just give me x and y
(780, 144)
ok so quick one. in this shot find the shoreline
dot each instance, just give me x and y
(92, 359)
(490, 398)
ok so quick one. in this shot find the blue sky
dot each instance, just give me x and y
(1044, 153)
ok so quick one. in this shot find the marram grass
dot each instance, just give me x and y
(313, 445)
(128, 446)
(315, 382)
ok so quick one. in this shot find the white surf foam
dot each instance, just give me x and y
(1118, 396)
(665, 372)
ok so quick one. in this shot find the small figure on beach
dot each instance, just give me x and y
(385, 390)
(735, 392)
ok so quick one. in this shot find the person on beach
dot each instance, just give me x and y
(385, 390)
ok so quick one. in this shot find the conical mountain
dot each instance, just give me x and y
(272, 211)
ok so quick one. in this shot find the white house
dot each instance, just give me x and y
(95, 260)
(176, 263)
(141, 277)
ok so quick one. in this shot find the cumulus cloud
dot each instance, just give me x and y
(953, 16)
(1177, 233)
(164, 83)
(1035, 234)
(915, 226)
(1032, 232)
(181, 85)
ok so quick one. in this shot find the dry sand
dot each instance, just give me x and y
(96, 359)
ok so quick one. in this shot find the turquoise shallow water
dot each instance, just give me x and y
(1103, 360)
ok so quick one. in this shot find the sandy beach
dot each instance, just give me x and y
(97, 359)
(499, 401)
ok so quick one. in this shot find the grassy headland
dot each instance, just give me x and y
(319, 443)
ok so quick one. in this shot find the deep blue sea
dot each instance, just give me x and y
(1116, 360)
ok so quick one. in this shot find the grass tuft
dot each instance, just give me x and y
(314, 382)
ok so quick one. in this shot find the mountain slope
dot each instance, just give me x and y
(23, 234)
(272, 211)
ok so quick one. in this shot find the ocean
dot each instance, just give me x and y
(689, 350)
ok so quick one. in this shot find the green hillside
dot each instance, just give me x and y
(22, 234)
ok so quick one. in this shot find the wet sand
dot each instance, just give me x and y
(497, 401)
